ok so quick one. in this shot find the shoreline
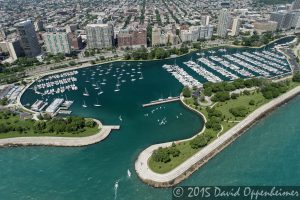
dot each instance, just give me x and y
(87, 64)
(102, 134)
(193, 163)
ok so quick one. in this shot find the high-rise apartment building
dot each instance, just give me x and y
(57, 42)
(99, 36)
(223, 23)
(133, 37)
(28, 38)
(236, 23)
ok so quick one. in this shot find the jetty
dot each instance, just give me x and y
(193, 163)
(161, 101)
(114, 127)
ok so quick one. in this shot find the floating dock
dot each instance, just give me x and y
(161, 101)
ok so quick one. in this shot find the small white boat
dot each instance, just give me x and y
(84, 105)
(117, 89)
(97, 104)
(86, 93)
(128, 173)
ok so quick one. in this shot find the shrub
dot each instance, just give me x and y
(234, 95)
(186, 92)
(240, 111)
(198, 142)
(221, 96)
(252, 102)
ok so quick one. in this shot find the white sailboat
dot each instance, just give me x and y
(128, 173)
(86, 93)
(120, 118)
(117, 89)
(97, 86)
(97, 104)
(118, 82)
(141, 77)
(84, 105)
(101, 91)
(133, 79)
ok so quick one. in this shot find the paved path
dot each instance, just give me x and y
(178, 174)
(59, 141)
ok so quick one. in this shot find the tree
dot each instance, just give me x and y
(234, 96)
(161, 155)
(207, 91)
(4, 101)
(240, 111)
(198, 142)
(252, 102)
(72, 63)
(221, 96)
(296, 77)
(186, 92)
(90, 123)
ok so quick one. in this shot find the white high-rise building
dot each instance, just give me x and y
(236, 23)
(28, 38)
(195, 33)
(223, 23)
(57, 42)
(99, 36)
(207, 20)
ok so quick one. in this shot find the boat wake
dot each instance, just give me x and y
(116, 186)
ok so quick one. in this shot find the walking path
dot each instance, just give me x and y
(182, 171)
(60, 141)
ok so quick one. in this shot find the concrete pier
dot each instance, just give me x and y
(161, 101)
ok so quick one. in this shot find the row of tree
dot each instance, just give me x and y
(210, 88)
(155, 53)
(273, 90)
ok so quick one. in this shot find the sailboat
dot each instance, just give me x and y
(117, 88)
(103, 82)
(141, 77)
(97, 86)
(128, 173)
(84, 105)
(118, 83)
(97, 104)
(120, 118)
(101, 91)
(86, 93)
(133, 78)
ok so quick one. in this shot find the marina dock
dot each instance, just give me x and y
(161, 101)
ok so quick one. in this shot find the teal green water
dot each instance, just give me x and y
(267, 154)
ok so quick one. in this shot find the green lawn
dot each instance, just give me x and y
(186, 151)
(243, 100)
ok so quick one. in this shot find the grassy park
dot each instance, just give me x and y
(11, 125)
(225, 112)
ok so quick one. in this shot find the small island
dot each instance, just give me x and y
(18, 128)
(17, 124)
